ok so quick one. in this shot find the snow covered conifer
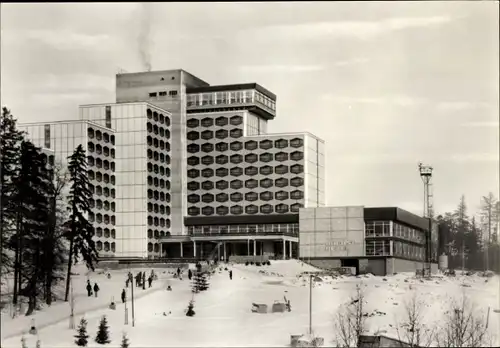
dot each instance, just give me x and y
(82, 338)
(190, 312)
(125, 343)
(103, 332)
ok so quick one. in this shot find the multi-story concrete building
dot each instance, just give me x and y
(176, 161)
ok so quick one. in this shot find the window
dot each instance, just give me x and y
(281, 195)
(192, 123)
(251, 196)
(193, 198)
(236, 209)
(251, 145)
(47, 136)
(251, 209)
(282, 208)
(296, 195)
(221, 185)
(193, 186)
(236, 146)
(266, 209)
(297, 155)
(221, 159)
(281, 143)
(266, 170)
(207, 185)
(193, 161)
(222, 210)
(266, 157)
(221, 147)
(236, 184)
(152, 95)
(207, 211)
(266, 183)
(251, 184)
(236, 171)
(266, 144)
(281, 156)
(222, 172)
(251, 171)
(236, 133)
(235, 159)
(266, 196)
(221, 121)
(207, 173)
(172, 93)
(221, 134)
(281, 169)
(207, 122)
(207, 160)
(193, 211)
(222, 197)
(296, 142)
(108, 116)
(162, 94)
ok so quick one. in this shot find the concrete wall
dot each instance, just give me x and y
(325, 263)
(331, 232)
(376, 267)
(395, 265)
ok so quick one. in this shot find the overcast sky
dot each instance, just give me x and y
(386, 85)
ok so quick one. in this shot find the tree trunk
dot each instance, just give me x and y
(16, 260)
(70, 256)
(70, 262)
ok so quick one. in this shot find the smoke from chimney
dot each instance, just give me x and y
(145, 35)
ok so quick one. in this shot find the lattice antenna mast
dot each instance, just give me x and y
(426, 176)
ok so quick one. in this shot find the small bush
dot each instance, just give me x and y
(251, 262)
(257, 264)
(246, 263)
(102, 336)
(82, 336)
(268, 263)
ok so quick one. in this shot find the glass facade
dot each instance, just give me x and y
(264, 229)
(406, 241)
(255, 125)
(231, 98)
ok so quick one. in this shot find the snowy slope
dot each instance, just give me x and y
(223, 313)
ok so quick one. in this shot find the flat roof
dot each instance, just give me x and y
(233, 87)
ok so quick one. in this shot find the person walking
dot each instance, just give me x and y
(150, 280)
(89, 288)
(230, 275)
(190, 274)
(96, 289)
(124, 296)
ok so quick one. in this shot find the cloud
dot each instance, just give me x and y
(357, 29)
(350, 62)
(461, 105)
(481, 124)
(475, 157)
(394, 100)
(62, 39)
(281, 68)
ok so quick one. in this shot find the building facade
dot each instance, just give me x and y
(180, 168)
(377, 240)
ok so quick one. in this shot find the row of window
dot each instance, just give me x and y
(209, 122)
(98, 204)
(249, 145)
(99, 163)
(249, 196)
(158, 169)
(100, 218)
(402, 249)
(238, 171)
(159, 208)
(159, 196)
(104, 232)
(162, 145)
(153, 115)
(237, 146)
(158, 156)
(251, 184)
(108, 138)
(156, 221)
(100, 191)
(161, 183)
(107, 246)
(101, 149)
(220, 98)
(157, 234)
(98, 176)
(154, 247)
(236, 159)
(244, 229)
(158, 130)
(249, 209)
(383, 229)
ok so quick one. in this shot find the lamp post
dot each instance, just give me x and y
(132, 288)
(310, 303)
(72, 306)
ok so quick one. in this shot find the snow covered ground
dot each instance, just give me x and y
(223, 312)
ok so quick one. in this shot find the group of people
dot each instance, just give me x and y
(89, 289)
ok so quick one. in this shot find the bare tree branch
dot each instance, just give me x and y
(412, 330)
(464, 326)
(350, 321)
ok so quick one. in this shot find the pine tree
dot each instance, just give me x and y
(199, 282)
(82, 339)
(190, 311)
(125, 342)
(80, 230)
(10, 144)
(31, 189)
(103, 332)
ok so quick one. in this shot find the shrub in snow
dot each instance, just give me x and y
(257, 264)
(246, 263)
(125, 343)
(200, 282)
(82, 337)
(102, 336)
(190, 312)
(23, 342)
(268, 263)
